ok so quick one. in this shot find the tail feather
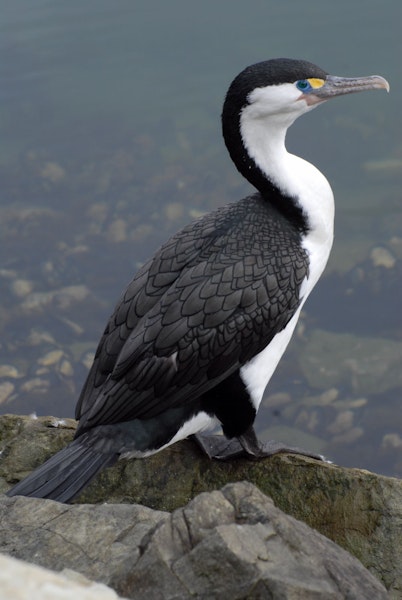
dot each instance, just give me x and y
(65, 474)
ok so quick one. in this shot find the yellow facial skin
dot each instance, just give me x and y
(315, 82)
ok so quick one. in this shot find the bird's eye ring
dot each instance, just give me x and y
(303, 85)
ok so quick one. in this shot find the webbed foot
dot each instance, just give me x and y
(247, 446)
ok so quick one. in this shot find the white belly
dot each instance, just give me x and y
(259, 370)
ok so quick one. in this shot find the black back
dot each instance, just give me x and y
(209, 300)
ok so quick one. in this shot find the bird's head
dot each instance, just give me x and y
(265, 99)
(284, 86)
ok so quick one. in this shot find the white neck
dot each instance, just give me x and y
(264, 139)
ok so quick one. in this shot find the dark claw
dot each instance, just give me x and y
(218, 447)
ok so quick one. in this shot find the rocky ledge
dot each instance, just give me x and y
(225, 537)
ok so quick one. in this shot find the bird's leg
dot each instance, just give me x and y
(246, 446)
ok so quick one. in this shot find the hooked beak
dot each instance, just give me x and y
(337, 86)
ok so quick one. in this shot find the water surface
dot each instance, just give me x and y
(110, 141)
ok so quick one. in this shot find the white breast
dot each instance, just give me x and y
(263, 136)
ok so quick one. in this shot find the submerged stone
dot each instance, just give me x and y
(363, 364)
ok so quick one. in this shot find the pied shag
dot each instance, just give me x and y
(199, 331)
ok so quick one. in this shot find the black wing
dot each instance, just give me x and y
(211, 298)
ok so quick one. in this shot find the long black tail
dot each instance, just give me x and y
(65, 474)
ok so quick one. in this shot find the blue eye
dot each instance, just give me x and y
(303, 85)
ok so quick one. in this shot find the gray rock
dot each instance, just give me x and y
(358, 510)
(97, 541)
(227, 544)
(235, 543)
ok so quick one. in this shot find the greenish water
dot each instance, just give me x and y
(110, 141)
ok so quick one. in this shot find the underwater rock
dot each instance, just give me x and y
(363, 364)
